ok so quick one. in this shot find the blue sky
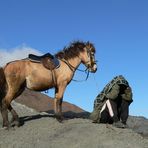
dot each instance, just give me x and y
(117, 28)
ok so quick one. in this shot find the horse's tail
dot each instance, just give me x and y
(2, 84)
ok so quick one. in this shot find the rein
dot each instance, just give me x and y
(72, 68)
(82, 80)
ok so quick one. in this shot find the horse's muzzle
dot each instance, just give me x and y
(93, 69)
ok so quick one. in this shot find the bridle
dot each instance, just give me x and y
(90, 57)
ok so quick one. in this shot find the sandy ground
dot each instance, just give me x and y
(41, 130)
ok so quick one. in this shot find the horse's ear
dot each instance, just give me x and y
(88, 44)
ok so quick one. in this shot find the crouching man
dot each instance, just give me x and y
(112, 104)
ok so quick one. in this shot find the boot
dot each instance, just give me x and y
(119, 124)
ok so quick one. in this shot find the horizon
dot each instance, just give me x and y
(118, 31)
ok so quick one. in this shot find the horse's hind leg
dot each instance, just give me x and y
(15, 119)
(5, 105)
(4, 112)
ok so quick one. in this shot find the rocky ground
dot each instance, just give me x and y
(42, 130)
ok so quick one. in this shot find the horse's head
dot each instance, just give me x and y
(88, 57)
(84, 50)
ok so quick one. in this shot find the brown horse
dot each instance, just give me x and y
(21, 74)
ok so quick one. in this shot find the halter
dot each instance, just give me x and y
(88, 49)
(88, 53)
(72, 68)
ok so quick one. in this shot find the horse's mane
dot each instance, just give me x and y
(72, 50)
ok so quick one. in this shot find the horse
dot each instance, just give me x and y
(17, 75)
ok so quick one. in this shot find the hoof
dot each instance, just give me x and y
(15, 123)
(8, 128)
(118, 124)
(59, 117)
(5, 128)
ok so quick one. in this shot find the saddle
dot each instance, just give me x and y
(47, 60)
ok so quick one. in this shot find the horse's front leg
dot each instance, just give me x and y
(58, 101)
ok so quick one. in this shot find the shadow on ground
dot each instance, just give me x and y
(50, 114)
